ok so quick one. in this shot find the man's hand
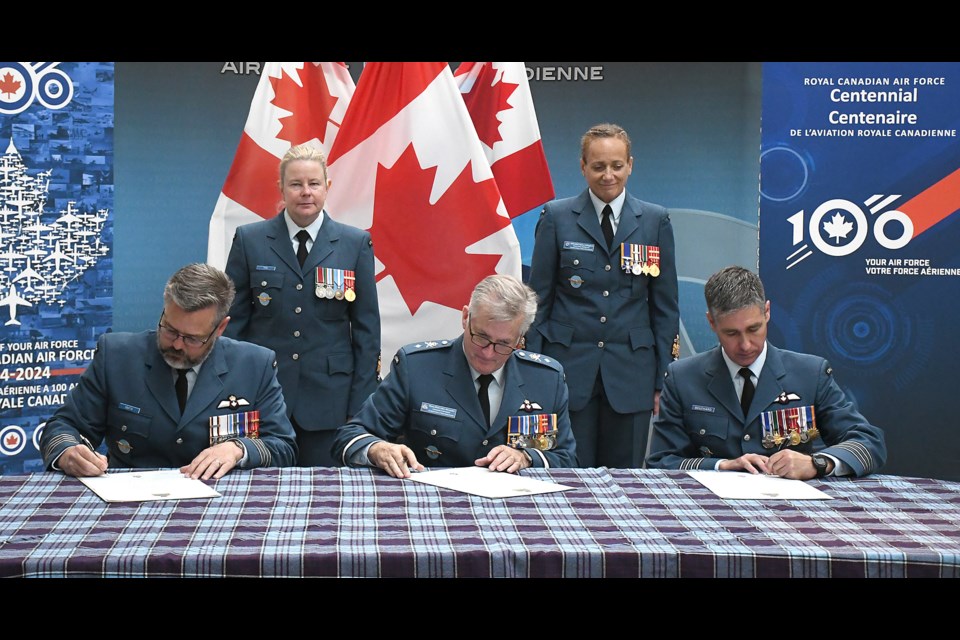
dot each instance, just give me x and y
(81, 461)
(752, 462)
(214, 462)
(504, 458)
(395, 459)
(792, 464)
(656, 402)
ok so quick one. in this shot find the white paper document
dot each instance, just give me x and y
(143, 486)
(480, 481)
(736, 485)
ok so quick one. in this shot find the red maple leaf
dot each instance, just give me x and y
(9, 86)
(485, 100)
(423, 245)
(310, 104)
(12, 440)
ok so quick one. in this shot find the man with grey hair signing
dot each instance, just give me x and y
(180, 396)
(479, 399)
(749, 406)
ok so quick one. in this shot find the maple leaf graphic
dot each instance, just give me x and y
(485, 100)
(310, 104)
(423, 245)
(9, 86)
(12, 440)
(837, 227)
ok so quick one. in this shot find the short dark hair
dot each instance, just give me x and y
(731, 289)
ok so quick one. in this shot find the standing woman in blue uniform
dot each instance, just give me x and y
(603, 269)
(306, 289)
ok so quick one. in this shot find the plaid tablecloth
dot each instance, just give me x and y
(357, 522)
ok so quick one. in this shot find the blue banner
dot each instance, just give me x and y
(56, 236)
(860, 244)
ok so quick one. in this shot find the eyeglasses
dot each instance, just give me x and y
(483, 342)
(172, 334)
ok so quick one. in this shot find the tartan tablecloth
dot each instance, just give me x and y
(359, 522)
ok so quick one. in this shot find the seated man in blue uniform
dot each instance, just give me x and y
(180, 396)
(479, 399)
(749, 406)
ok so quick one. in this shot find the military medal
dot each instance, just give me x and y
(654, 270)
(233, 426)
(537, 431)
(320, 283)
(636, 269)
(124, 446)
(576, 281)
(349, 281)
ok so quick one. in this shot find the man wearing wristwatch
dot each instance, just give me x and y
(749, 406)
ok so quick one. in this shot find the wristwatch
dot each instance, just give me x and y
(820, 463)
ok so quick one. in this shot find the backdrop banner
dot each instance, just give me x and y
(56, 235)
(860, 241)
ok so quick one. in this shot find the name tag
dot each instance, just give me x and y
(129, 407)
(266, 267)
(702, 407)
(437, 410)
(578, 246)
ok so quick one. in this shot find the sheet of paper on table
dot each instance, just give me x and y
(480, 481)
(736, 485)
(143, 486)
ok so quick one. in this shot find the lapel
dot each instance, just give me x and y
(209, 385)
(721, 386)
(769, 385)
(587, 219)
(459, 385)
(513, 395)
(160, 380)
(323, 246)
(280, 243)
(629, 221)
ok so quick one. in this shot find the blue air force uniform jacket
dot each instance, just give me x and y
(126, 398)
(328, 350)
(429, 399)
(594, 317)
(701, 422)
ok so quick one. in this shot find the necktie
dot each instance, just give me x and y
(747, 396)
(181, 387)
(484, 379)
(606, 225)
(302, 237)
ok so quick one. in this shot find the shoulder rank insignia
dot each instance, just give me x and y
(539, 358)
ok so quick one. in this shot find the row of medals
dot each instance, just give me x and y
(329, 292)
(543, 441)
(638, 268)
(772, 440)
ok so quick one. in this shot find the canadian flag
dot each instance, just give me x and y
(408, 166)
(497, 95)
(295, 102)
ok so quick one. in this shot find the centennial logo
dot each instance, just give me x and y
(22, 83)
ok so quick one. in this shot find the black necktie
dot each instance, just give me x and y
(606, 225)
(181, 387)
(747, 396)
(302, 252)
(484, 379)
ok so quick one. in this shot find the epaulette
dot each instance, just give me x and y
(538, 358)
(427, 345)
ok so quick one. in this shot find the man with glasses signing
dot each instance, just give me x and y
(480, 399)
(182, 396)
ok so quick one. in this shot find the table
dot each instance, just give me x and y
(360, 522)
